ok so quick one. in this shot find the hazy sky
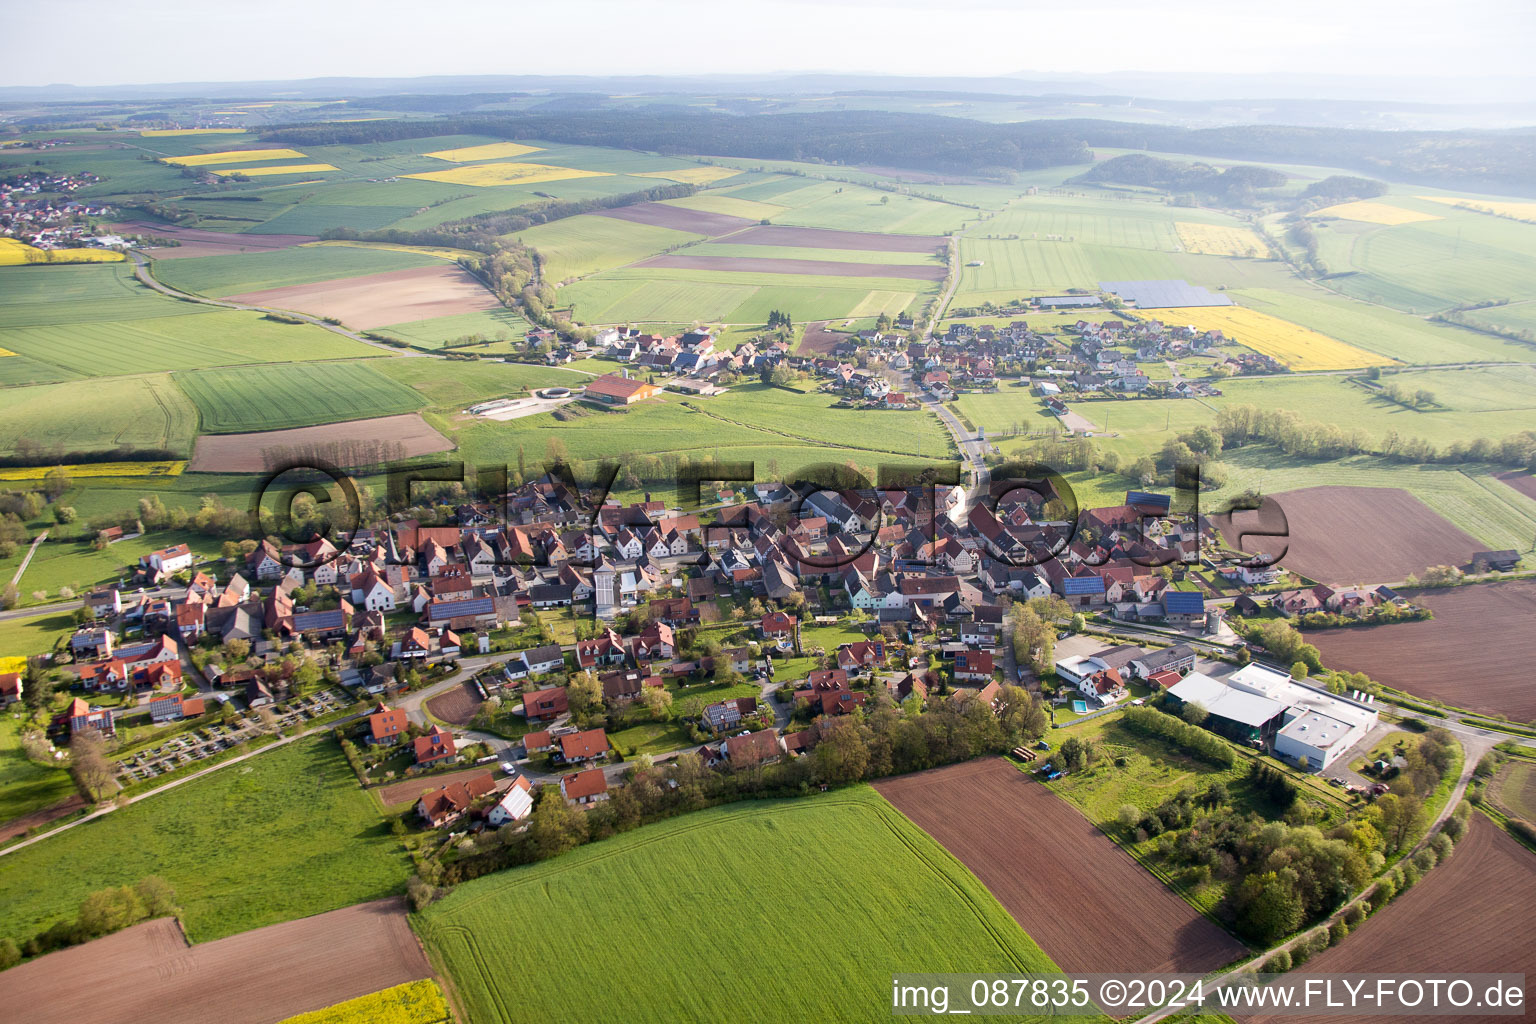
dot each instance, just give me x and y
(145, 41)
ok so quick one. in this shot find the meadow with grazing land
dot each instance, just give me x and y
(725, 864)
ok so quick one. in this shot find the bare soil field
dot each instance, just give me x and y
(244, 453)
(1466, 915)
(208, 243)
(1349, 535)
(410, 790)
(1435, 658)
(1082, 898)
(19, 826)
(456, 706)
(818, 340)
(1521, 481)
(822, 268)
(375, 300)
(825, 238)
(149, 973)
(660, 215)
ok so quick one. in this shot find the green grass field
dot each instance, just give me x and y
(284, 835)
(26, 786)
(578, 246)
(74, 564)
(36, 635)
(1432, 265)
(780, 433)
(770, 252)
(1011, 269)
(259, 271)
(683, 296)
(490, 324)
(212, 338)
(145, 412)
(454, 384)
(281, 395)
(863, 209)
(706, 896)
(750, 422)
(1123, 223)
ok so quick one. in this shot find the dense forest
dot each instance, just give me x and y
(1235, 185)
(1494, 161)
(919, 141)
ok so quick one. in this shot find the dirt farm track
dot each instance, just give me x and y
(1348, 535)
(1433, 658)
(1087, 903)
(1479, 904)
(149, 973)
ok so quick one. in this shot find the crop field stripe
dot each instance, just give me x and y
(267, 397)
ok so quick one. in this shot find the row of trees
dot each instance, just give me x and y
(1250, 424)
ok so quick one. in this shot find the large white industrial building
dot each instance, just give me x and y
(1300, 722)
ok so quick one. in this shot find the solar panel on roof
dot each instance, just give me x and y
(1148, 498)
(1083, 585)
(1163, 294)
(1184, 601)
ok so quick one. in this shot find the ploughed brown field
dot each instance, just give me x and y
(1471, 914)
(1475, 653)
(1087, 903)
(819, 340)
(247, 453)
(149, 973)
(410, 790)
(1521, 481)
(1348, 535)
(826, 238)
(376, 300)
(457, 706)
(822, 268)
(207, 243)
(698, 222)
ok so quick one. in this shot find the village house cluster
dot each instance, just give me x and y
(36, 208)
(398, 605)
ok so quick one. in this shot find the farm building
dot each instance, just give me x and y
(614, 389)
(1300, 723)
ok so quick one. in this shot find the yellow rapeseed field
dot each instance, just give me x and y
(491, 175)
(489, 151)
(162, 132)
(1374, 213)
(415, 1002)
(13, 663)
(234, 156)
(691, 175)
(16, 253)
(1221, 240)
(1519, 211)
(21, 474)
(256, 172)
(1299, 348)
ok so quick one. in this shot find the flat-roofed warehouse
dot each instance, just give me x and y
(1298, 722)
